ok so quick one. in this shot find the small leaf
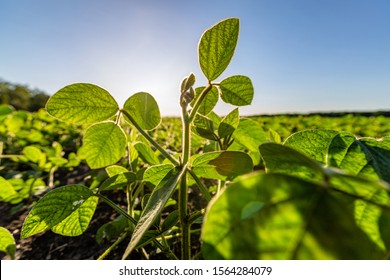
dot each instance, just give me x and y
(228, 124)
(111, 229)
(154, 206)
(104, 144)
(146, 153)
(237, 90)
(216, 47)
(204, 127)
(187, 83)
(7, 191)
(118, 181)
(7, 242)
(34, 154)
(170, 221)
(82, 103)
(115, 170)
(209, 101)
(67, 210)
(143, 108)
(225, 165)
(154, 174)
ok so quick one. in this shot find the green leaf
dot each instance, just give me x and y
(283, 159)
(209, 101)
(237, 90)
(118, 181)
(216, 47)
(160, 195)
(66, 210)
(146, 153)
(154, 174)
(7, 242)
(82, 103)
(34, 154)
(204, 127)
(143, 108)
(277, 216)
(112, 229)
(170, 221)
(249, 134)
(7, 191)
(313, 143)
(366, 157)
(222, 165)
(228, 124)
(104, 144)
(115, 170)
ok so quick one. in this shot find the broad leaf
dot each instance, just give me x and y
(66, 210)
(216, 47)
(283, 159)
(104, 144)
(82, 103)
(34, 154)
(249, 134)
(237, 90)
(143, 108)
(277, 216)
(366, 157)
(160, 195)
(225, 165)
(228, 124)
(7, 242)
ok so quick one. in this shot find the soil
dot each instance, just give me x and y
(51, 246)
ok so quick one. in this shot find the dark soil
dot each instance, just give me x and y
(51, 246)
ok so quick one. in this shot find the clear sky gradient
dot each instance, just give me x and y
(302, 55)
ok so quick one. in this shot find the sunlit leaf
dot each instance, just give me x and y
(7, 242)
(66, 210)
(216, 47)
(82, 103)
(237, 90)
(224, 165)
(104, 144)
(143, 108)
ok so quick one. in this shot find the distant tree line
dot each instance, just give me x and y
(21, 97)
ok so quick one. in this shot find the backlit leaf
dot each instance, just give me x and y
(277, 216)
(104, 144)
(216, 47)
(229, 123)
(66, 210)
(237, 90)
(82, 103)
(7, 242)
(143, 108)
(224, 165)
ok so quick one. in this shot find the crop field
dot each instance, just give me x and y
(85, 179)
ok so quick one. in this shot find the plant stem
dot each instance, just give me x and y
(119, 240)
(150, 139)
(116, 208)
(183, 189)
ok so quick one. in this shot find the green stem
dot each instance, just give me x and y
(150, 139)
(202, 187)
(119, 240)
(117, 208)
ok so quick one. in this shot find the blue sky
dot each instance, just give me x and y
(302, 55)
